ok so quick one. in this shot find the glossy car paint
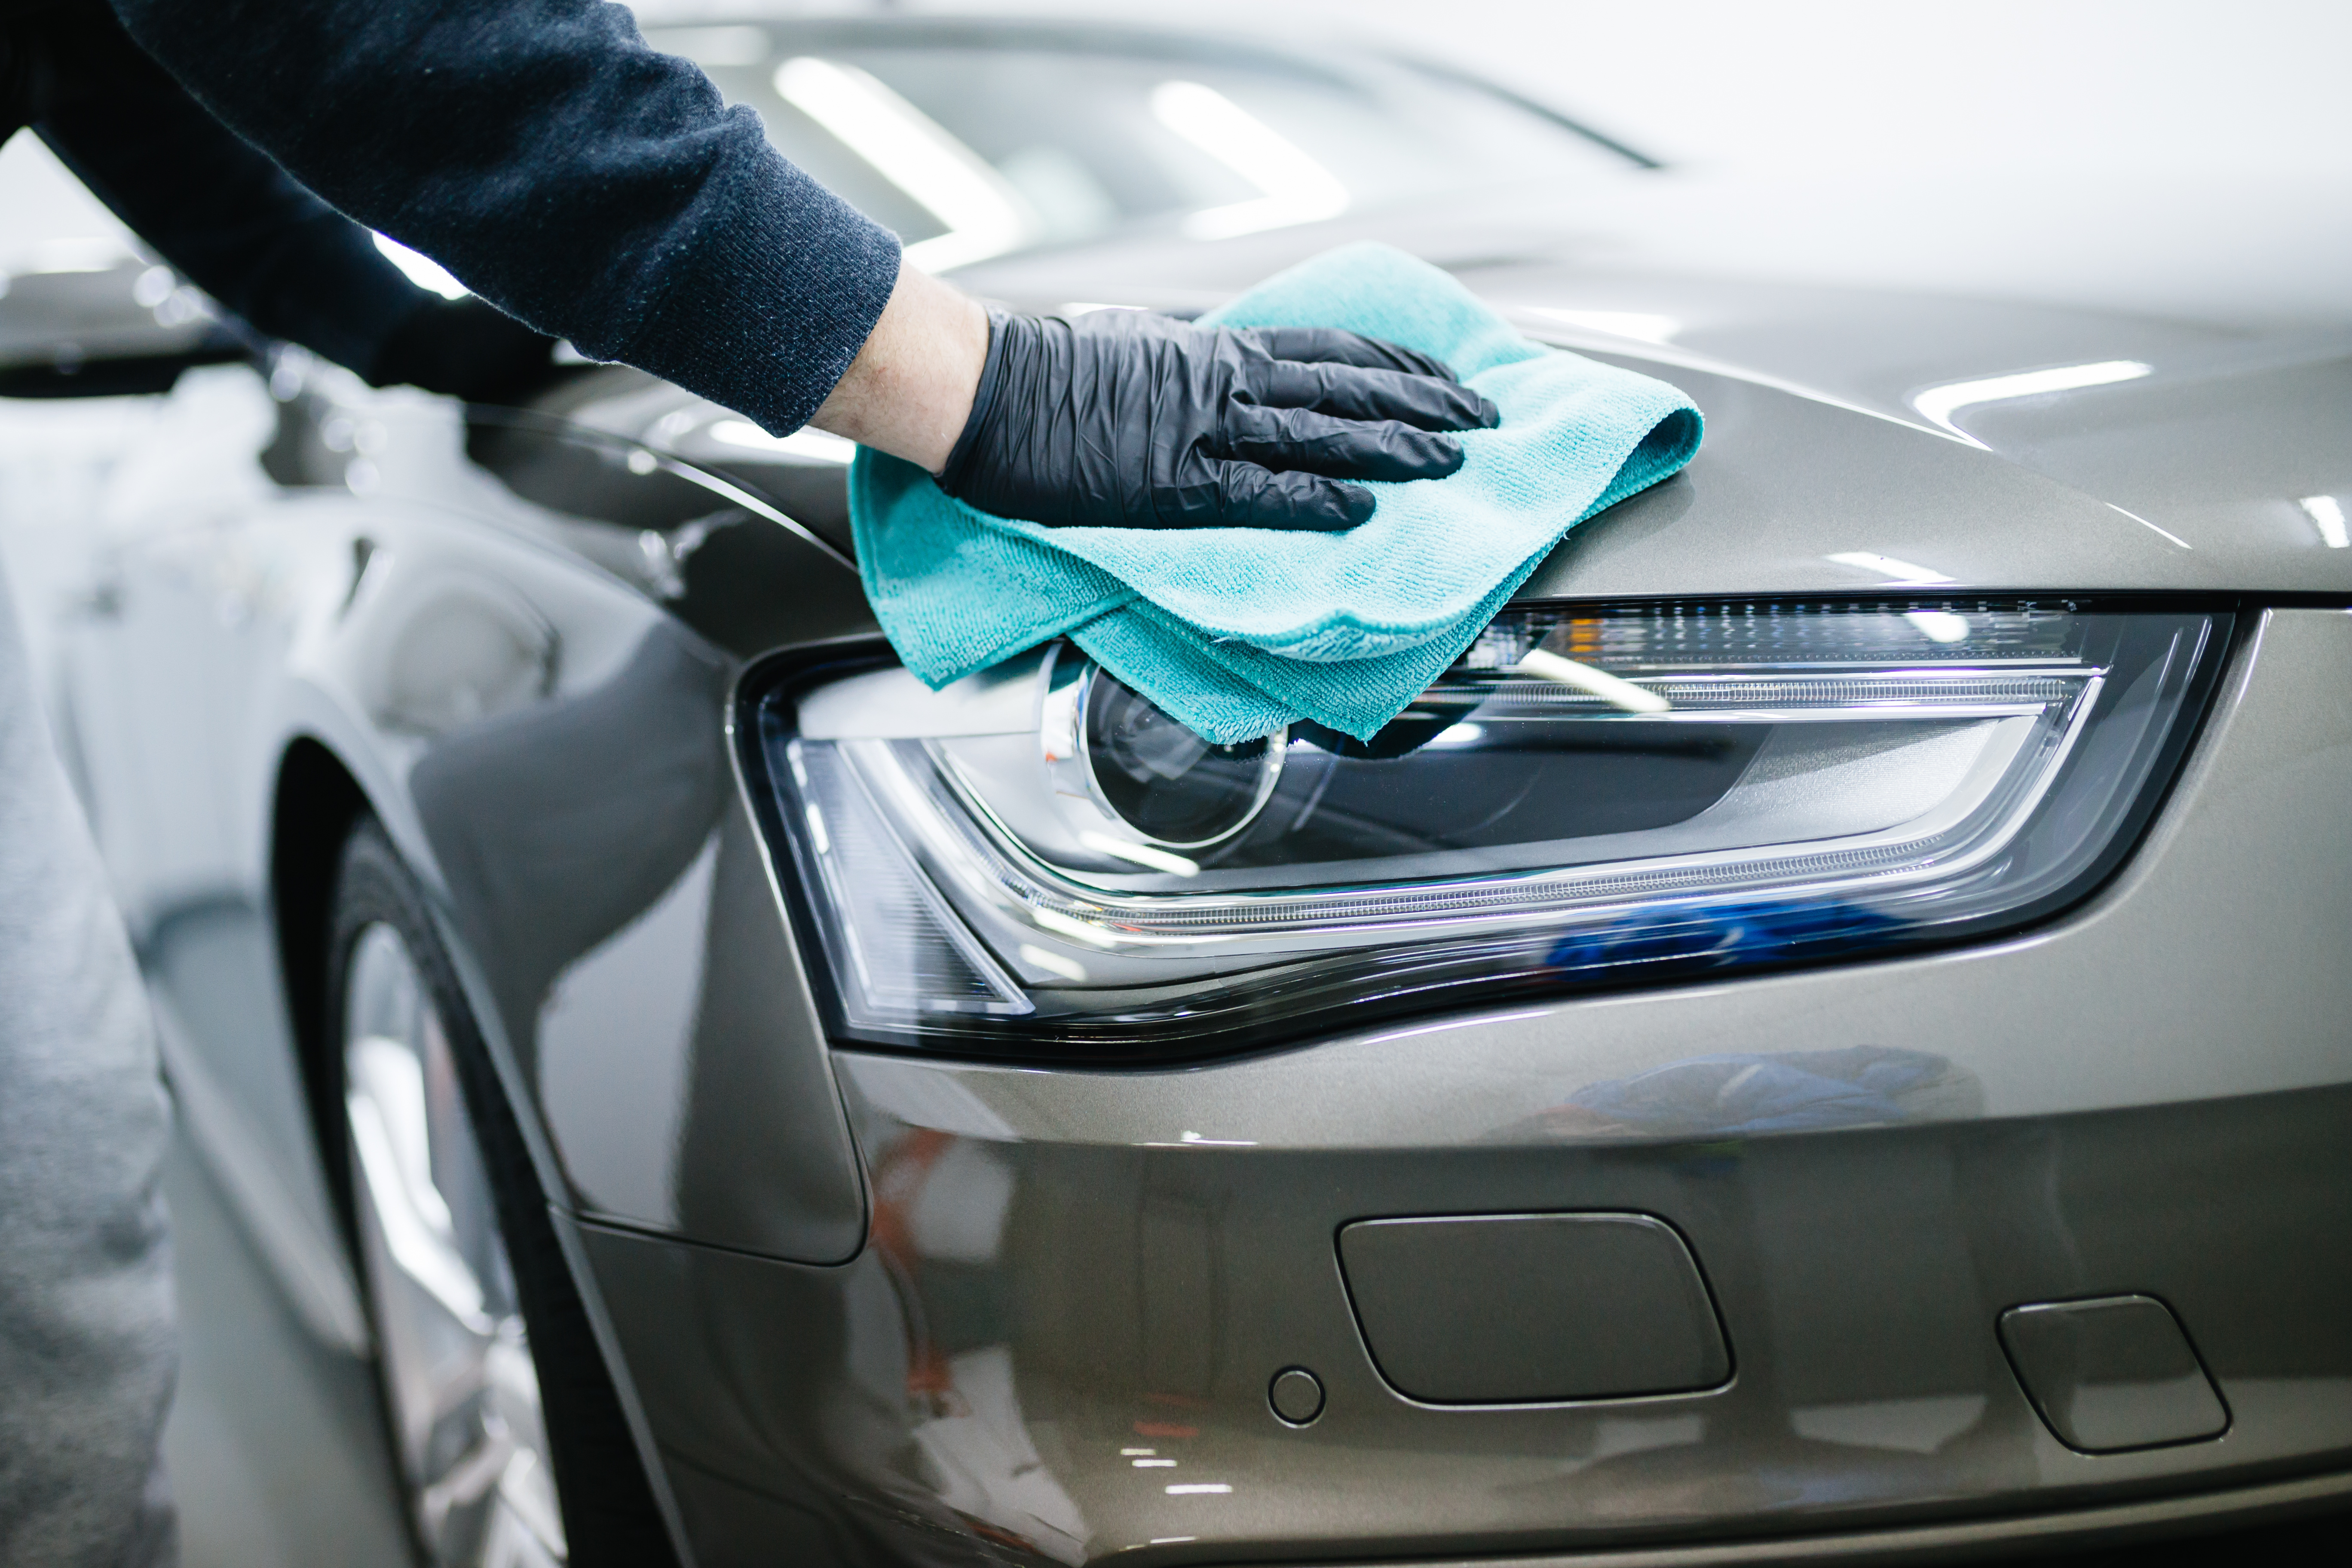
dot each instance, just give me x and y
(2139, 1098)
(894, 1309)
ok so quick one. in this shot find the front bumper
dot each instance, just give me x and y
(1058, 1340)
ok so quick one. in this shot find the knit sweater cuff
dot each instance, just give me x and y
(778, 283)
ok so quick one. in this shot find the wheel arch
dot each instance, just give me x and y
(314, 803)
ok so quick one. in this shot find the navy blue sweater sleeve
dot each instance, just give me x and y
(563, 169)
(228, 218)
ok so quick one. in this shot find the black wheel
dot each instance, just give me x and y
(508, 1433)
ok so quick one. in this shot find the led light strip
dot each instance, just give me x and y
(1930, 694)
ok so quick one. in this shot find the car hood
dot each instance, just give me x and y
(1860, 434)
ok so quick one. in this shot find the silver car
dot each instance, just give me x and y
(1827, 1032)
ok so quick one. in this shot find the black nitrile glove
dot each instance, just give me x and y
(466, 349)
(1128, 420)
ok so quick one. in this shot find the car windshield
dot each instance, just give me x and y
(972, 141)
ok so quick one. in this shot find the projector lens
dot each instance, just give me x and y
(1164, 781)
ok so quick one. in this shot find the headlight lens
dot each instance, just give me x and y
(1037, 860)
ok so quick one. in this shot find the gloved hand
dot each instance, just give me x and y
(1124, 419)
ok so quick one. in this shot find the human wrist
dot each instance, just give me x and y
(909, 390)
(1003, 328)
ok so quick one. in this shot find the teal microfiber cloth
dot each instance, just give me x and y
(1239, 631)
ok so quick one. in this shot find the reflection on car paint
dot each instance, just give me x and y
(1723, 935)
(1739, 1095)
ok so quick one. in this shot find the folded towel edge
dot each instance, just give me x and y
(1650, 463)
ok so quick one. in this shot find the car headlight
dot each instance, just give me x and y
(1037, 860)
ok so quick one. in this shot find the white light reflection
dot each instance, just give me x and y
(152, 286)
(1459, 735)
(1617, 693)
(1183, 1488)
(1639, 325)
(1937, 404)
(2149, 526)
(816, 445)
(1144, 855)
(1192, 1139)
(1615, 1435)
(1483, 1021)
(1222, 1142)
(422, 271)
(1887, 566)
(1060, 924)
(2327, 514)
(719, 46)
(1938, 625)
(984, 215)
(92, 255)
(1901, 1426)
(979, 1454)
(1297, 188)
(1052, 963)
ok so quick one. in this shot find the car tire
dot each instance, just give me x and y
(507, 1432)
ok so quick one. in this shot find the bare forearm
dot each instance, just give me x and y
(909, 390)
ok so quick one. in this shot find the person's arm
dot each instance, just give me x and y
(560, 168)
(599, 191)
(222, 213)
(268, 252)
